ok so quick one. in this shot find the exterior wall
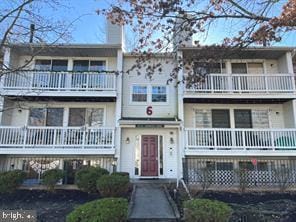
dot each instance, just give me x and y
(170, 152)
(276, 112)
(289, 117)
(19, 116)
(160, 110)
(284, 63)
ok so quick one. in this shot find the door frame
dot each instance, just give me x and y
(158, 154)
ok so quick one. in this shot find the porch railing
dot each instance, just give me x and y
(59, 81)
(239, 83)
(56, 137)
(240, 139)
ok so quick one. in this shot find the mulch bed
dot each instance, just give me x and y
(251, 206)
(51, 207)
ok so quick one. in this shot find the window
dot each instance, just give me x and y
(37, 117)
(159, 94)
(203, 118)
(51, 65)
(46, 79)
(46, 117)
(80, 79)
(243, 118)
(220, 118)
(239, 68)
(260, 118)
(82, 116)
(87, 65)
(97, 66)
(139, 94)
(204, 68)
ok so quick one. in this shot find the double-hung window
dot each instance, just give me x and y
(139, 94)
(146, 93)
(159, 94)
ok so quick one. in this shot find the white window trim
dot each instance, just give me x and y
(263, 62)
(166, 92)
(149, 95)
(139, 102)
(90, 60)
(70, 60)
(45, 113)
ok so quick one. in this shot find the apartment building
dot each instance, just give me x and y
(64, 110)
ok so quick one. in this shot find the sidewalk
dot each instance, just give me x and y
(150, 203)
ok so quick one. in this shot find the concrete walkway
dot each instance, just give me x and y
(150, 203)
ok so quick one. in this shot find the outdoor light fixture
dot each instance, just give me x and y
(127, 141)
(172, 140)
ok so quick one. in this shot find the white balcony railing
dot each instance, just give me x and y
(240, 139)
(239, 83)
(59, 81)
(56, 137)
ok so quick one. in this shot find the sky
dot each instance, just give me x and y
(88, 27)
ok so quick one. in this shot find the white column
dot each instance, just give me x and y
(289, 63)
(180, 96)
(118, 107)
(69, 75)
(6, 65)
(66, 116)
(294, 113)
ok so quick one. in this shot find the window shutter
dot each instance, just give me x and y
(260, 119)
(203, 118)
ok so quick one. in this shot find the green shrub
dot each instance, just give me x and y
(86, 178)
(51, 177)
(103, 210)
(204, 210)
(11, 180)
(121, 174)
(113, 185)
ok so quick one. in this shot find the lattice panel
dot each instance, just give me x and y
(198, 171)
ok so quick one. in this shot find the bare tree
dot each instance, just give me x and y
(163, 26)
(30, 22)
(24, 21)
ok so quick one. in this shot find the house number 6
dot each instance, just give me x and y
(149, 110)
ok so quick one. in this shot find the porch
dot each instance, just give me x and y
(52, 83)
(57, 140)
(238, 141)
(242, 86)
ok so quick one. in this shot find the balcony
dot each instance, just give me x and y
(222, 141)
(242, 86)
(48, 83)
(56, 140)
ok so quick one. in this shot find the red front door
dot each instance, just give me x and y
(149, 156)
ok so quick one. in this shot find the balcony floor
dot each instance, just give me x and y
(56, 151)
